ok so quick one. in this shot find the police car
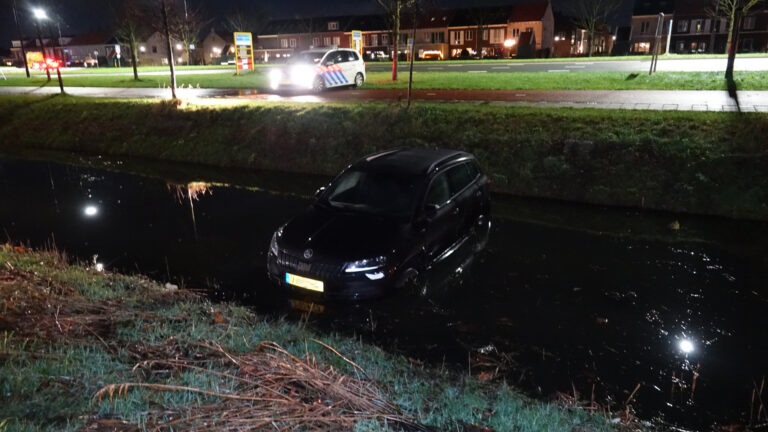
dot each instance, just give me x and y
(319, 69)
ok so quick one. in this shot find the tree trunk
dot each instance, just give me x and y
(396, 34)
(170, 48)
(733, 44)
(732, 18)
(590, 41)
(134, 56)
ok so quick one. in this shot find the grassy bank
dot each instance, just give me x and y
(442, 80)
(705, 163)
(83, 348)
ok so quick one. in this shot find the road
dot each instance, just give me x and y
(683, 65)
(674, 100)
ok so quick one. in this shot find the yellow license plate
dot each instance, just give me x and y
(302, 282)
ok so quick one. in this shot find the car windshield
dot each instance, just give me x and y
(390, 194)
(307, 57)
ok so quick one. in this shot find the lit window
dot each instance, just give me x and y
(333, 25)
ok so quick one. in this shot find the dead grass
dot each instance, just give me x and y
(274, 389)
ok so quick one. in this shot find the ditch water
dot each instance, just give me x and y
(565, 297)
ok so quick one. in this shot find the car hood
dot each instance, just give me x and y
(340, 235)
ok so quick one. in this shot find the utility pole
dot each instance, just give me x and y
(21, 38)
(164, 12)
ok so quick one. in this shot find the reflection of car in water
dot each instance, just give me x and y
(320, 69)
(381, 223)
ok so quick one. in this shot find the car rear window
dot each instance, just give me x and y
(353, 56)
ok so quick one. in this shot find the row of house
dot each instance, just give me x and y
(523, 29)
(694, 26)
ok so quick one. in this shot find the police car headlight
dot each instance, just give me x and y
(275, 76)
(302, 76)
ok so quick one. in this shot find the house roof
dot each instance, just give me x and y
(529, 11)
(653, 7)
(320, 24)
(98, 38)
(475, 16)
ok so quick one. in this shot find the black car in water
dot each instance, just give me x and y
(383, 222)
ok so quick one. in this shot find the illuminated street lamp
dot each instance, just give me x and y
(39, 15)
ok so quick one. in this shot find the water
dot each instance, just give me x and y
(593, 298)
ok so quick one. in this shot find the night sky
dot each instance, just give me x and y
(79, 16)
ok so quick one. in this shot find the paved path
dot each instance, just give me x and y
(679, 100)
(677, 65)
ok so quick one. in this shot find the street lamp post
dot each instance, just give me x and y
(41, 15)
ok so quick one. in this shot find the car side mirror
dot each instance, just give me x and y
(319, 191)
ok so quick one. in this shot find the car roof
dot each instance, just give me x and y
(411, 161)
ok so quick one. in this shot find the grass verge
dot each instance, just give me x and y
(442, 81)
(704, 163)
(88, 350)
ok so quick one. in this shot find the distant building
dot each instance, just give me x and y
(537, 18)
(645, 21)
(215, 47)
(699, 28)
(440, 34)
(694, 27)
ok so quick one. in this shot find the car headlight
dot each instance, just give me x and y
(273, 249)
(275, 76)
(302, 76)
(365, 265)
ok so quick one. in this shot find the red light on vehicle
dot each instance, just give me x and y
(52, 63)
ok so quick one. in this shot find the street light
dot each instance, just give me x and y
(39, 15)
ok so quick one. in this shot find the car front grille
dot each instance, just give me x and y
(317, 269)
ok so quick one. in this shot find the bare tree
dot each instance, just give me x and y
(591, 15)
(250, 18)
(728, 9)
(393, 11)
(185, 26)
(129, 17)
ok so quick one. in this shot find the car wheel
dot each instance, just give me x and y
(318, 85)
(359, 80)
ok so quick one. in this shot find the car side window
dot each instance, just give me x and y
(439, 191)
(353, 56)
(459, 177)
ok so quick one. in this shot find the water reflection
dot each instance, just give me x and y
(546, 309)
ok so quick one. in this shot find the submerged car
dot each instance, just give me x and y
(381, 223)
(320, 69)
